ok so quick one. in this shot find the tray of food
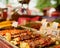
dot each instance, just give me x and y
(26, 39)
(27, 36)
(5, 44)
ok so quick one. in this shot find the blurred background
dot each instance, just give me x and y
(40, 4)
(46, 8)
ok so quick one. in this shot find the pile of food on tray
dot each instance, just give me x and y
(27, 39)
(24, 38)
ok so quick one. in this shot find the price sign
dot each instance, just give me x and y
(49, 31)
(15, 24)
(55, 25)
(54, 33)
(44, 24)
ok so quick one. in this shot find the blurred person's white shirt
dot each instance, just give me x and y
(50, 11)
(14, 3)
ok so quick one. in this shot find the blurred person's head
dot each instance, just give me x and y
(44, 12)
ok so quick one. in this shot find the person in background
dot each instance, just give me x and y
(57, 12)
(47, 14)
(45, 11)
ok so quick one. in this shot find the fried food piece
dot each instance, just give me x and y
(8, 36)
(24, 45)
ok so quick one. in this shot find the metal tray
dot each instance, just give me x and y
(5, 43)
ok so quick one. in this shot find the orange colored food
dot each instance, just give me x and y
(57, 46)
